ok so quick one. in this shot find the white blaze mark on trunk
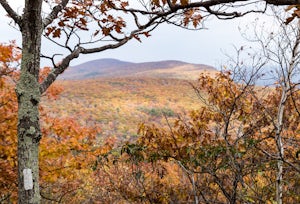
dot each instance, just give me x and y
(28, 181)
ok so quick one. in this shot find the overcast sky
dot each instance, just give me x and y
(167, 42)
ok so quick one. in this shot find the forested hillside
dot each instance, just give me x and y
(155, 140)
(114, 68)
(119, 105)
(110, 131)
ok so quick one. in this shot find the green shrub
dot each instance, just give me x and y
(157, 112)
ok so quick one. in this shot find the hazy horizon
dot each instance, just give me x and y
(167, 42)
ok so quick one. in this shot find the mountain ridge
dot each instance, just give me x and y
(112, 68)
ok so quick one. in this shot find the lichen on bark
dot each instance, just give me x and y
(28, 90)
(29, 133)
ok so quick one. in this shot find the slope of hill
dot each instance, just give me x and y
(119, 95)
(118, 105)
(116, 68)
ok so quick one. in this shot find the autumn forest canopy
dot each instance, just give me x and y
(170, 133)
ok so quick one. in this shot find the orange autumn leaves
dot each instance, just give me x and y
(220, 152)
(226, 148)
(108, 16)
(9, 56)
(79, 16)
(67, 148)
(8, 138)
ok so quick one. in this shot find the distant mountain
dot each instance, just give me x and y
(116, 68)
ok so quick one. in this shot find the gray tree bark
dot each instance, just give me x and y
(28, 93)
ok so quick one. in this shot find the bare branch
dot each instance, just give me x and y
(50, 58)
(75, 54)
(59, 69)
(221, 13)
(283, 2)
(170, 4)
(11, 12)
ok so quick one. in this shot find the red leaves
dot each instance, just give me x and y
(72, 17)
(137, 38)
(147, 34)
(56, 33)
(111, 24)
(68, 150)
(192, 15)
(106, 31)
(124, 4)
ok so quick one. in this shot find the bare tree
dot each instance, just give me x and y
(287, 60)
(281, 49)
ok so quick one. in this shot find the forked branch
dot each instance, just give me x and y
(11, 12)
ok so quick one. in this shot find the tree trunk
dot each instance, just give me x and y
(280, 153)
(28, 93)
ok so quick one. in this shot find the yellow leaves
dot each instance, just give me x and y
(228, 98)
(242, 147)
(68, 150)
(186, 141)
(220, 139)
